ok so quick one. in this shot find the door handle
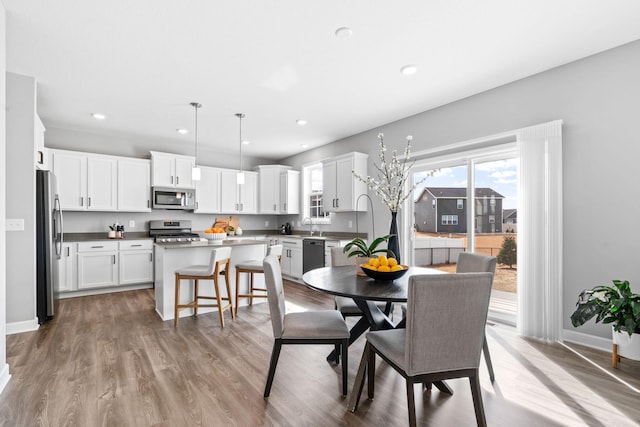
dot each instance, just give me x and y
(171, 179)
(81, 201)
(135, 246)
(114, 259)
(88, 201)
(177, 180)
(96, 247)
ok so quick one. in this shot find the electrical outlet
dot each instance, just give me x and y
(132, 224)
(350, 224)
(14, 224)
(266, 223)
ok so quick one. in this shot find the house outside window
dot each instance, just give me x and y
(460, 204)
(492, 219)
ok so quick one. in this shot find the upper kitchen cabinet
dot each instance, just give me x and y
(85, 182)
(134, 185)
(340, 188)
(278, 190)
(208, 195)
(171, 170)
(290, 192)
(238, 198)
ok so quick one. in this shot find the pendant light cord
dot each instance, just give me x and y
(240, 116)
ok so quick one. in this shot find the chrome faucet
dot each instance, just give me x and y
(310, 224)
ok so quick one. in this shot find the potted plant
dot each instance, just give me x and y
(358, 247)
(618, 306)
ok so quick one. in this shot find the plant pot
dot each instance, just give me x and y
(628, 346)
(361, 260)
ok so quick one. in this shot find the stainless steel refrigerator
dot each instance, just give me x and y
(49, 241)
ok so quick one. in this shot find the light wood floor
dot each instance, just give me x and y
(108, 360)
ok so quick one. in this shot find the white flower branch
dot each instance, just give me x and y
(392, 176)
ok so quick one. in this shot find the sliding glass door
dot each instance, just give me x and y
(468, 202)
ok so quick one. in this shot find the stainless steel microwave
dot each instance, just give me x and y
(174, 198)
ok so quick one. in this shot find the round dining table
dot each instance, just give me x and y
(346, 282)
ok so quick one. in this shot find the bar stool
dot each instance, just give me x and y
(219, 259)
(252, 267)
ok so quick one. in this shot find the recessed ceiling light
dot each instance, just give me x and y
(344, 32)
(182, 131)
(245, 142)
(301, 122)
(98, 116)
(305, 146)
(408, 70)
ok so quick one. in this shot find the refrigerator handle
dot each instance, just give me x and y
(58, 235)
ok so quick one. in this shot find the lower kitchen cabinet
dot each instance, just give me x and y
(97, 264)
(291, 257)
(67, 269)
(136, 262)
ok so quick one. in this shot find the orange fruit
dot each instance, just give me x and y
(384, 268)
(396, 267)
(374, 262)
(382, 259)
(392, 262)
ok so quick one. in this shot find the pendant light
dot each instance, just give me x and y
(195, 171)
(240, 176)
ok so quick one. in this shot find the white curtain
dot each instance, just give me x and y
(540, 231)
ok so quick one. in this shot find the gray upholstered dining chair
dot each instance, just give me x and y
(443, 338)
(475, 263)
(307, 327)
(346, 306)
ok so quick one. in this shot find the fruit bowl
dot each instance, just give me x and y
(384, 276)
(215, 236)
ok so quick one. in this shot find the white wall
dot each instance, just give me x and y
(597, 99)
(4, 368)
(20, 173)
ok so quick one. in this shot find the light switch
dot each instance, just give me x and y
(132, 224)
(15, 224)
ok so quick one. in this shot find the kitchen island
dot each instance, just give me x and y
(170, 257)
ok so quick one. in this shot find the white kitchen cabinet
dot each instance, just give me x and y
(85, 182)
(289, 192)
(237, 198)
(97, 264)
(134, 185)
(278, 190)
(135, 262)
(67, 269)
(208, 195)
(291, 257)
(340, 189)
(171, 170)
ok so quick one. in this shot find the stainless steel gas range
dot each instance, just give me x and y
(172, 231)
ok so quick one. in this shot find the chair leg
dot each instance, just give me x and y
(237, 289)
(411, 403)
(251, 288)
(195, 297)
(359, 381)
(177, 301)
(345, 365)
(487, 358)
(228, 286)
(474, 381)
(219, 301)
(275, 354)
(371, 370)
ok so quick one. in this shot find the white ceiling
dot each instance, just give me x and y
(142, 62)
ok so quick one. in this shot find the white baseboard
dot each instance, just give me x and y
(24, 326)
(5, 376)
(586, 340)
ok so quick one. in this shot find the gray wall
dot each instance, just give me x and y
(597, 98)
(20, 173)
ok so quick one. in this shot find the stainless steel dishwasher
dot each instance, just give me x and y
(312, 254)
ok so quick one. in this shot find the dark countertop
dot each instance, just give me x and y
(144, 235)
(212, 243)
(90, 237)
